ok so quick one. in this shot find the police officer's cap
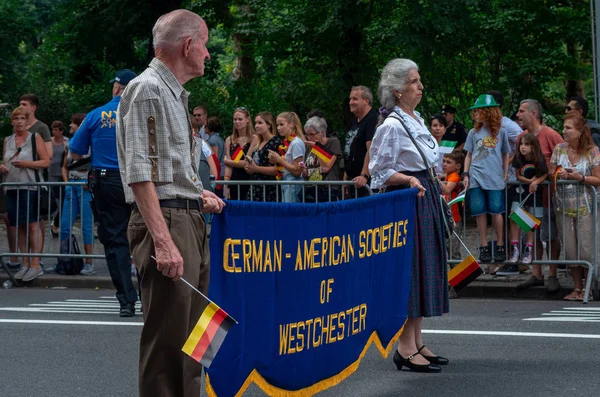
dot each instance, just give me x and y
(448, 109)
(124, 76)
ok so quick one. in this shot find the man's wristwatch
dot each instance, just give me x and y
(465, 174)
(365, 176)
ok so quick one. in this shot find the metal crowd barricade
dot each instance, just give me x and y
(549, 205)
(334, 190)
(50, 249)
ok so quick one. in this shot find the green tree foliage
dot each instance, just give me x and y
(302, 54)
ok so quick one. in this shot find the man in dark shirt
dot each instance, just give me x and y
(579, 105)
(454, 131)
(358, 139)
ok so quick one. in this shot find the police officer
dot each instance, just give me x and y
(98, 131)
(455, 131)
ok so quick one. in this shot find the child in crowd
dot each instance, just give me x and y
(530, 168)
(452, 166)
(486, 172)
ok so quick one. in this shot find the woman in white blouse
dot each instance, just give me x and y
(395, 164)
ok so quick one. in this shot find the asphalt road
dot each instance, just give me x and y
(73, 343)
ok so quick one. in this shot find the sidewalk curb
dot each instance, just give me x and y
(477, 289)
(79, 282)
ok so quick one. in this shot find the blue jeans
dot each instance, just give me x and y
(483, 201)
(76, 201)
(291, 193)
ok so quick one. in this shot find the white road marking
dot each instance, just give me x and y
(570, 314)
(506, 333)
(66, 322)
(77, 306)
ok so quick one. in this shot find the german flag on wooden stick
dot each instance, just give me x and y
(465, 272)
(238, 154)
(321, 153)
(208, 334)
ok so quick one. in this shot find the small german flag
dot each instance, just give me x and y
(208, 334)
(238, 154)
(321, 153)
(465, 272)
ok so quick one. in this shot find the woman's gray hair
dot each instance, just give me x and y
(393, 78)
(317, 124)
(172, 28)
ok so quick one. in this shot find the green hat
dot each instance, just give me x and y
(484, 101)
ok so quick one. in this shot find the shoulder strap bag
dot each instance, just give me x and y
(445, 209)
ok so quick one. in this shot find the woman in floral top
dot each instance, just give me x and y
(258, 165)
(576, 160)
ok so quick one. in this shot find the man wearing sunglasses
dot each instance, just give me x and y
(578, 105)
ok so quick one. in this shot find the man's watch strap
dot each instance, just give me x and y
(366, 176)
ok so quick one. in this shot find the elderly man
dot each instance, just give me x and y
(529, 117)
(157, 161)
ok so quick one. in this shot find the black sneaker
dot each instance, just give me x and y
(127, 310)
(508, 270)
(532, 281)
(485, 256)
(499, 253)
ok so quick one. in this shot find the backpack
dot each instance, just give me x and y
(69, 265)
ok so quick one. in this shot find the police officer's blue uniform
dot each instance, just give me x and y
(98, 131)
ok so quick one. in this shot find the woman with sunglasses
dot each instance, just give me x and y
(236, 147)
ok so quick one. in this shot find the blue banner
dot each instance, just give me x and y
(312, 286)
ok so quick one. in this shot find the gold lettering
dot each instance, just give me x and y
(405, 232)
(291, 350)
(324, 248)
(314, 253)
(257, 265)
(307, 256)
(299, 259)
(283, 339)
(355, 318)
(268, 262)
(361, 244)
(300, 335)
(308, 324)
(317, 343)
(348, 312)
(369, 239)
(385, 238)
(399, 234)
(278, 253)
(247, 253)
(350, 248)
(325, 331)
(336, 257)
(375, 247)
(230, 245)
(344, 254)
(363, 316)
(330, 337)
(341, 325)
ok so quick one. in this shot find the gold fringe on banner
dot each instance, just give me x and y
(325, 384)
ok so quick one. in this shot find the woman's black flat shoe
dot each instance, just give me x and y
(437, 360)
(405, 362)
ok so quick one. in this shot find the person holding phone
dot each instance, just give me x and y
(578, 161)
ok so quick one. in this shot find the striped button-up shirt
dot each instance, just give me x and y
(155, 137)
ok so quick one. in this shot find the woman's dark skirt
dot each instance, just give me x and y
(429, 280)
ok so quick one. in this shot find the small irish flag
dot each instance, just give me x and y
(208, 334)
(447, 146)
(458, 199)
(321, 153)
(238, 154)
(465, 272)
(524, 219)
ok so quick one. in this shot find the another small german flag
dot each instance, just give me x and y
(238, 154)
(465, 272)
(208, 334)
(321, 153)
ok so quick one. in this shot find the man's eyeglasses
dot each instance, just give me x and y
(198, 115)
(569, 108)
